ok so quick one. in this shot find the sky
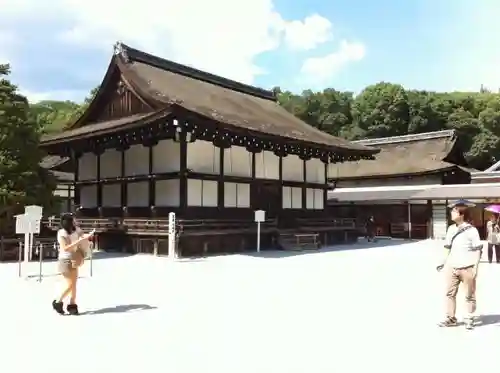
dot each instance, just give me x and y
(60, 49)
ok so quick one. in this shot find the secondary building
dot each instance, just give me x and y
(384, 187)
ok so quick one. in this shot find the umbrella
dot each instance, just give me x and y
(493, 208)
(461, 202)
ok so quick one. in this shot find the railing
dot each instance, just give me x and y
(347, 223)
(222, 226)
(402, 230)
(9, 248)
(85, 223)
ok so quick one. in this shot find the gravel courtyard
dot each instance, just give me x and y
(353, 309)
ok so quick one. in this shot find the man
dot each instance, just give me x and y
(370, 228)
(462, 254)
(492, 231)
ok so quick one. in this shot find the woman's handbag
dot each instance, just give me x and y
(81, 252)
(78, 258)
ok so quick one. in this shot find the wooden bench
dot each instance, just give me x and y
(299, 241)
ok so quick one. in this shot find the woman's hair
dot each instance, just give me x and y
(465, 212)
(68, 223)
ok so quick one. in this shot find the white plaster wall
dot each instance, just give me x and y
(202, 193)
(88, 196)
(166, 156)
(319, 201)
(292, 197)
(315, 171)
(111, 195)
(439, 221)
(267, 165)
(237, 195)
(111, 161)
(309, 199)
(137, 160)
(237, 162)
(203, 157)
(87, 167)
(293, 168)
(167, 193)
(138, 194)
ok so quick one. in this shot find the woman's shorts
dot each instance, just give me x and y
(65, 266)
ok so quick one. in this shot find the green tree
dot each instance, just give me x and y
(22, 180)
(382, 110)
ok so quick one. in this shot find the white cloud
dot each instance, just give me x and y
(7, 40)
(224, 37)
(221, 36)
(323, 69)
(72, 95)
(309, 33)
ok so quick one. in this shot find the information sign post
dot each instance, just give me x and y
(260, 217)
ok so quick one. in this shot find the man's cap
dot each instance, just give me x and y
(461, 202)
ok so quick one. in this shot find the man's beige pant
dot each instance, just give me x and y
(468, 279)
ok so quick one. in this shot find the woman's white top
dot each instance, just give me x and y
(70, 238)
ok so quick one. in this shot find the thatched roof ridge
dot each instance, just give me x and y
(406, 155)
(163, 85)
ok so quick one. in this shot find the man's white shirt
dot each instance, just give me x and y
(465, 246)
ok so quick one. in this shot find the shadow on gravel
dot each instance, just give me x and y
(360, 245)
(120, 309)
(488, 320)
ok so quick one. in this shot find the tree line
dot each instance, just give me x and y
(380, 110)
(387, 109)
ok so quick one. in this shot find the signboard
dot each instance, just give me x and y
(33, 210)
(26, 224)
(260, 216)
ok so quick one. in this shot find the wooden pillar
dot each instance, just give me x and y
(304, 189)
(76, 188)
(98, 182)
(68, 200)
(409, 219)
(430, 222)
(325, 192)
(280, 193)
(220, 180)
(183, 180)
(254, 171)
(152, 181)
(123, 183)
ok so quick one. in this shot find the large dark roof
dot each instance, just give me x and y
(405, 155)
(165, 84)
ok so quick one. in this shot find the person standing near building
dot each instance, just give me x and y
(493, 231)
(370, 228)
(463, 249)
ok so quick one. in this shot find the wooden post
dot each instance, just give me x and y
(155, 247)
(409, 220)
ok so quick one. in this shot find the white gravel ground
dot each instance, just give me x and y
(360, 308)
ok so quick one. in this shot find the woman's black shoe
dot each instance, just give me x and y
(72, 309)
(58, 307)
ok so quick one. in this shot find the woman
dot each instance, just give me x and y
(493, 231)
(69, 238)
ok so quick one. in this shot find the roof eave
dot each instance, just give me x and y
(394, 175)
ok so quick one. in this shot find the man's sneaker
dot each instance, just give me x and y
(448, 322)
(470, 323)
